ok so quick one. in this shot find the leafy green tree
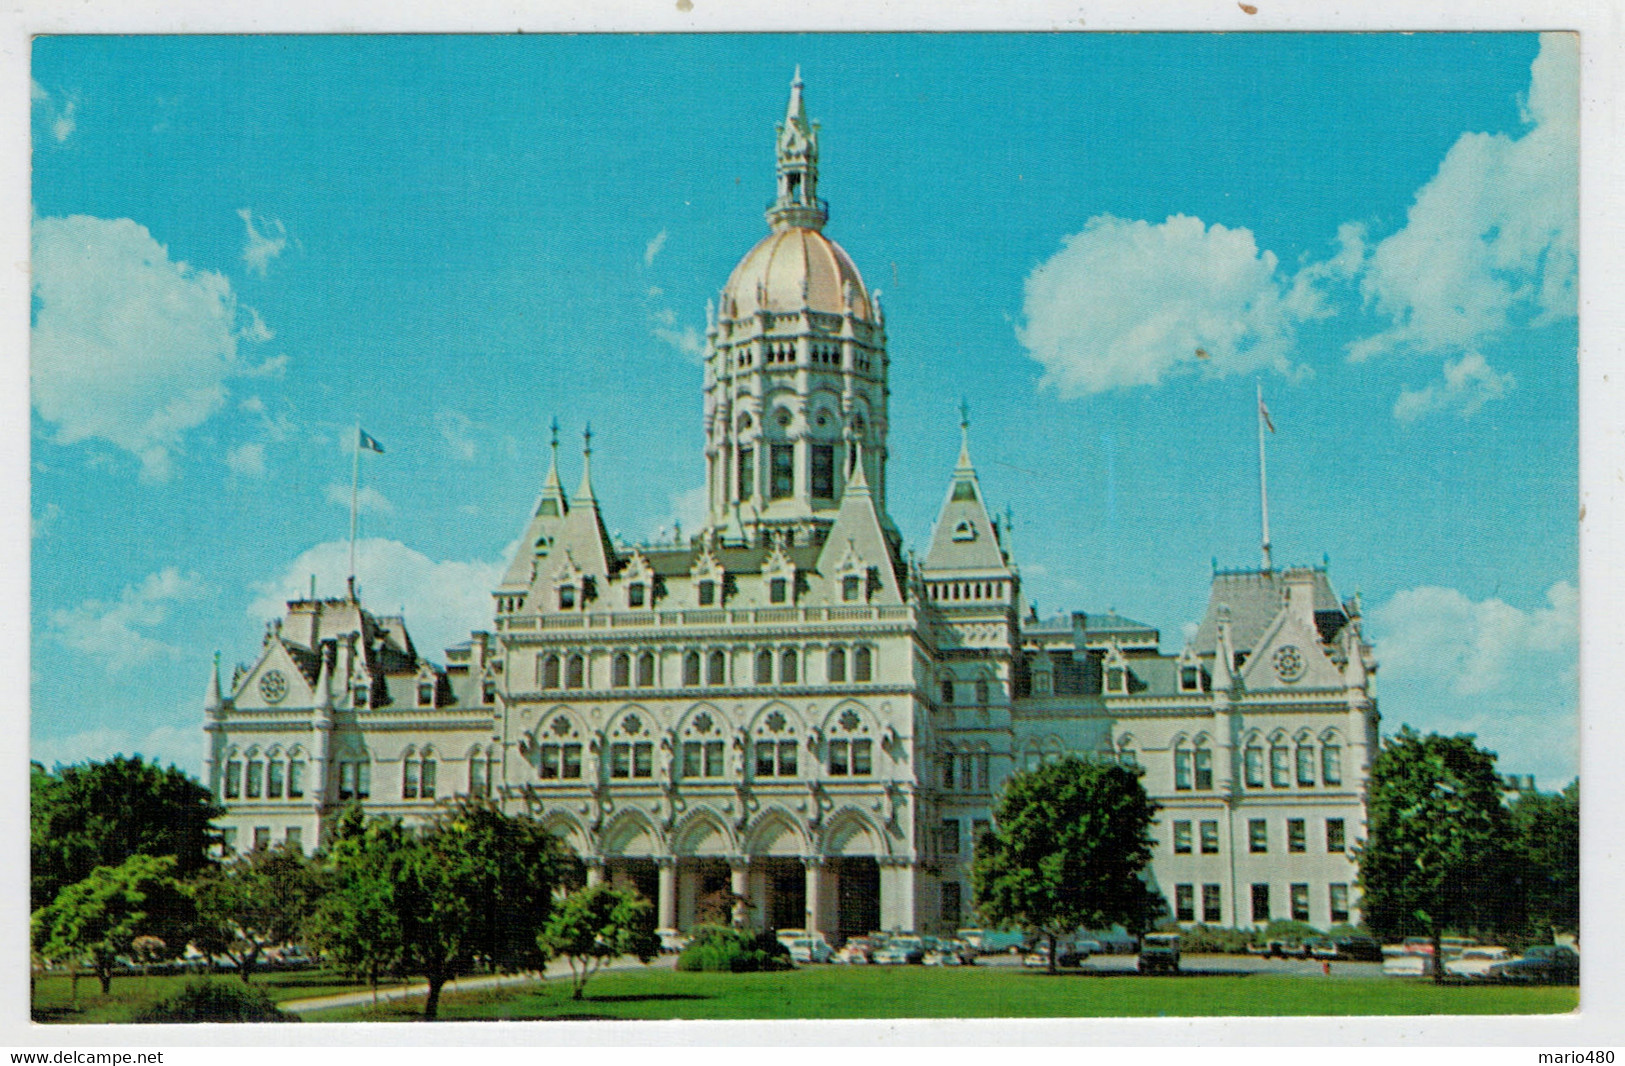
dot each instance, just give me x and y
(100, 918)
(1546, 834)
(596, 925)
(1436, 852)
(355, 925)
(474, 888)
(264, 898)
(1070, 843)
(99, 814)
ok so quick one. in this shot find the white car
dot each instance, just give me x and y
(1475, 962)
(808, 949)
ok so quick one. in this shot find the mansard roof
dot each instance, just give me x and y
(1255, 597)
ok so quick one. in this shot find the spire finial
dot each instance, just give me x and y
(555, 441)
(585, 494)
(586, 441)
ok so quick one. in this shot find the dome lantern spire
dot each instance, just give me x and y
(797, 204)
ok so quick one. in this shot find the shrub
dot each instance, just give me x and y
(1213, 940)
(716, 949)
(216, 1001)
(1286, 929)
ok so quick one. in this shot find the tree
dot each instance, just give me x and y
(264, 898)
(598, 924)
(1436, 852)
(99, 814)
(475, 887)
(355, 925)
(1546, 835)
(100, 918)
(1071, 841)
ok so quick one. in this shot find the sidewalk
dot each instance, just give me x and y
(556, 969)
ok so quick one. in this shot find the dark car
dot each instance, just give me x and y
(1546, 964)
(1358, 949)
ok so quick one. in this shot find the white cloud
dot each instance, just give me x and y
(167, 744)
(653, 249)
(265, 240)
(41, 521)
(688, 340)
(1127, 303)
(454, 428)
(1470, 647)
(64, 125)
(1469, 383)
(113, 632)
(247, 460)
(443, 600)
(689, 508)
(1491, 241)
(128, 346)
(368, 500)
(57, 118)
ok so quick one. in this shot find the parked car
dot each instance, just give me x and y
(1475, 962)
(1321, 948)
(1159, 953)
(950, 953)
(1408, 964)
(901, 951)
(1068, 954)
(857, 951)
(673, 943)
(1551, 964)
(1358, 949)
(993, 941)
(806, 947)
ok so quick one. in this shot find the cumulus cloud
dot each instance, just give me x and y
(55, 115)
(1491, 242)
(653, 249)
(443, 601)
(1469, 383)
(1470, 647)
(367, 501)
(1127, 303)
(454, 429)
(689, 509)
(117, 633)
(264, 241)
(166, 744)
(128, 346)
(41, 521)
(246, 460)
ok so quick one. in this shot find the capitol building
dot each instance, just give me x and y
(791, 708)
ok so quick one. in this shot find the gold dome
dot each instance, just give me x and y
(792, 268)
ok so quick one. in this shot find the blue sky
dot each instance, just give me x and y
(242, 245)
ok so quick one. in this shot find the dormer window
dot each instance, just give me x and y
(851, 588)
(567, 597)
(1190, 679)
(488, 692)
(635, 594)
(778, 590)
(1116, 680)
(965, 531)
(359, 695)
(426, 693)
(708, 593)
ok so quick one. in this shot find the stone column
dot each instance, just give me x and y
(814, 865)
(897, 894)
(595, 869)
(739, 885)
(668, 893)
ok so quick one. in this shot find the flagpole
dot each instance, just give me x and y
(1263, 481)
(355, 489)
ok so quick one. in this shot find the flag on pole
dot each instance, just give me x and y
(369, 442)
(1263, 412)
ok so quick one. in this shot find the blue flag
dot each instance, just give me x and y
(368, 442)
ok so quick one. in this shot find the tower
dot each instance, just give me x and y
(795, 367)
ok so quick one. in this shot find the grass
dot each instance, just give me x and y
(913, 992)
(53, 1000)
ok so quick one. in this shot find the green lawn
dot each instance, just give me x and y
(915, 992)
(130, 995)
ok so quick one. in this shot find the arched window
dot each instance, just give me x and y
(296, 774)
(575, 672)
(1280, 774)
(635, 594)
(646, 670)
(764, 667)
(691, 668)
(981, 690)
(862, 664)
(1306, 763)
(717, 668)
(702, 747)
(1331, 763)
(550, 671)
(1204, 765)
(558, 751)
(1183, 764)
(947, 690)
(787, 667)
(775, 743)
(837, 664)
(483, 773)
(620, 671)
(1253, 764)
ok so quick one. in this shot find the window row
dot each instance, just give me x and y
(1212, 903)
(701, 759)
(948, 835)
(964, 771)
(1337, 902)
(1283, 761)
(1297, 840)
(293, 837)
(980, 689)
(266, 778)
(638, 670)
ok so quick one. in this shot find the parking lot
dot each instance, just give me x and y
(1216, 965)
